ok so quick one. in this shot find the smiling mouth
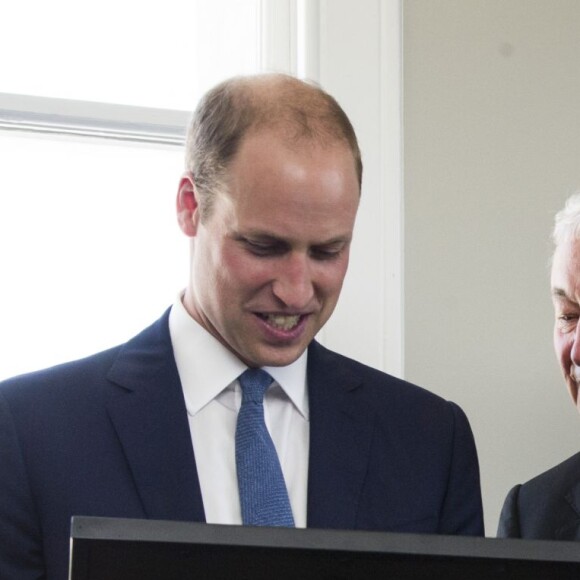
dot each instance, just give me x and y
(281, 321)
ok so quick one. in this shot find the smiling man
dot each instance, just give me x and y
(548, 506)
(226, 410)
(269, 260)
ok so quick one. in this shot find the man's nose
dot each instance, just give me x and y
(293, 284)
(575, 350)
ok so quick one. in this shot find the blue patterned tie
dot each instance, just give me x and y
(263, 494)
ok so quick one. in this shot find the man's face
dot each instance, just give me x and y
(269, 261)
(565, 284)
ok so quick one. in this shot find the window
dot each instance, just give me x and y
(148, 54)
(91, 251)
(100, 96)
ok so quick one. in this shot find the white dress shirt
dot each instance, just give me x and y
(208, 372)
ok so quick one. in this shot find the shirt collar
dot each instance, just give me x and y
(206, 367)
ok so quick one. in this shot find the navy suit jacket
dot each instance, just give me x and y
(109, 436)
(546, 507)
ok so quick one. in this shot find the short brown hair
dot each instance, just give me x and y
(230, 110)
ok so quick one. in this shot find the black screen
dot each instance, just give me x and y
(118, 549)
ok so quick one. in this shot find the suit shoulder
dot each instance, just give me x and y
(85, 373)
(381, 384)
(545, 507)
(555, 479)
(58, 377)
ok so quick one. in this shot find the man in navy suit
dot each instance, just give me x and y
(548, 506)
(146, 429)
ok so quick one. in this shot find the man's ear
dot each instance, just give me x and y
(187, 205)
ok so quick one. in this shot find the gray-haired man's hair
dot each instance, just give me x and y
(567, 221)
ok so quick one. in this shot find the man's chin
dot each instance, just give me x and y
(276, 356)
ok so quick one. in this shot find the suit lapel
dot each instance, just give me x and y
(571, 531)
(147, 409)
(341, 426)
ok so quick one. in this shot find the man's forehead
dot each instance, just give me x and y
(565, 275)
(566, 254)
(293, 137)
(276, 156)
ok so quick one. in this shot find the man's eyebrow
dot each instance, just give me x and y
(561, 293)
(338, 240)
(258, 236)
(271, 238)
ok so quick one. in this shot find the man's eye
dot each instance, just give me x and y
(259, 249)
(567, 322)
(326, 253)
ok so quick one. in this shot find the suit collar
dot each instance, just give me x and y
(147, 409)
(341, 427)
(571, 531)
(573, 498)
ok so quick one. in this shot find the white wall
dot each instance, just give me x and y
(491, 131)
(359, 63)
(492, 148)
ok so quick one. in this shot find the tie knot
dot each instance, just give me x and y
(254, 383)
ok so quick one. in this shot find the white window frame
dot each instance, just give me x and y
(88, 119)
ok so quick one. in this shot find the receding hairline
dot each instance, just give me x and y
(299, 107)
(301, 112)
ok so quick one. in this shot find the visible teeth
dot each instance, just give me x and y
(283, 322)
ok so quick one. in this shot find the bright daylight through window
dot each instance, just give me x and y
(91, 251)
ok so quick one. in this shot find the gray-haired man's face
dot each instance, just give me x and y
(565, 283)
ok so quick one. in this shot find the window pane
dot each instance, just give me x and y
(152, 54)
(90, 248)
